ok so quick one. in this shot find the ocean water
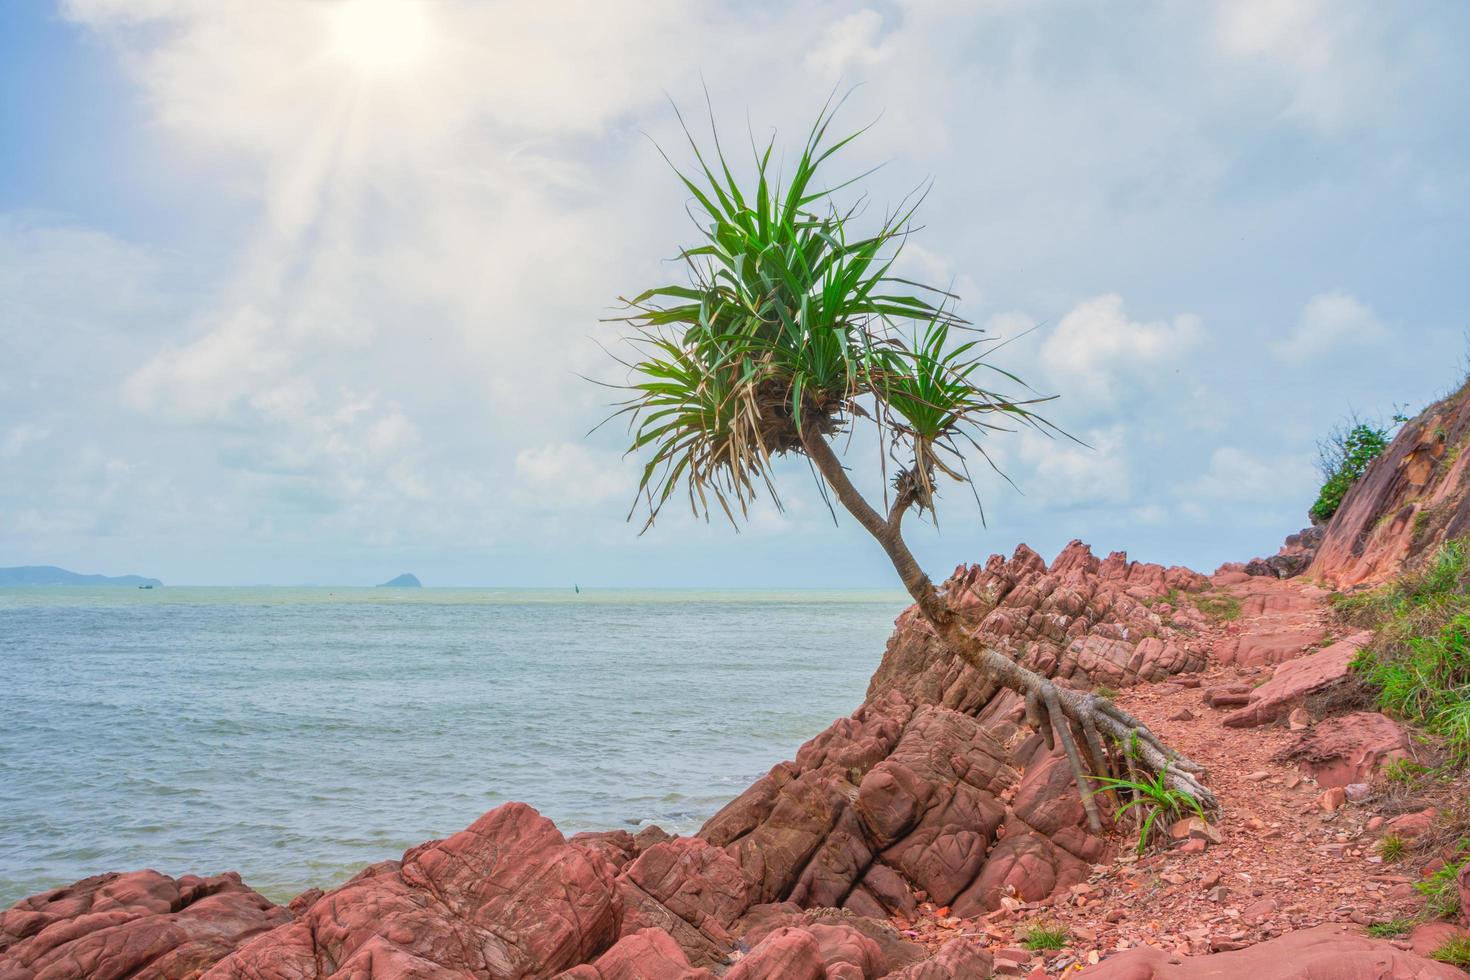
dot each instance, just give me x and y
(295, 735)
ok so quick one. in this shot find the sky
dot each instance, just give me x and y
(308, 291)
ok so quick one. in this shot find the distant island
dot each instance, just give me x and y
(407, 580)
(51, 575)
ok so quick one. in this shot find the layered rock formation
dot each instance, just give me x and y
(1412, 498)
(141, 924)
(1081, 620)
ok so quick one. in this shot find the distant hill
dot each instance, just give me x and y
(407, 580)
(51, 575)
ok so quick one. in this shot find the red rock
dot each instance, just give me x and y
(788, 954)
(1408, 502)
(1427, 937)
(1349, 748)
(506, 897)
(1183, 714)
(1299, 720)
(1332, 799)
(688, 888)
(1080, 619)
(1330, 952)
(1258, 912)
(958, 959)
(648, 954)
(1411, 825)
(121, 925)
(1295, 680)
(1194, 845)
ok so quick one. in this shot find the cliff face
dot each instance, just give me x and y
(1413, 497)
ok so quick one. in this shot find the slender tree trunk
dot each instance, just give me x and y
(1075, 717)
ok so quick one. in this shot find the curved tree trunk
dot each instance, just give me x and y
(1076, 718)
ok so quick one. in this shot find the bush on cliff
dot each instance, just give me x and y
(1344, 456)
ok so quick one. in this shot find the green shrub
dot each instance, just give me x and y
(1040, 937)
(1391, 848)
(1344, 458)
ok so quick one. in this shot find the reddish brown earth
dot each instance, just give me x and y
(919, 838)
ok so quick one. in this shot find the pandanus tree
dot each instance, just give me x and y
(792, 330)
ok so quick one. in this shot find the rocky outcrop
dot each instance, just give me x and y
(142, 924)
(905, 796)
(506, 897)
(1283, 623)
(1297, 680)
(1294, 558)
(1331, 952)
(1082, 620)
(1412, 498)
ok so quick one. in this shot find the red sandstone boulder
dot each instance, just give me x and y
(507, 897)
(1295, 680)
(1330, 952)
(140, 924)
(688, 888)
(958, 959)
(788, 954)
(648, 954)
(1349, 749)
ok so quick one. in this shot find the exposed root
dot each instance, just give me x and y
(1107, 732)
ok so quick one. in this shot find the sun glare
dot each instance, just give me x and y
(379, 35)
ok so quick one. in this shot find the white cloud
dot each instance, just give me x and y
(1328, 323)
(1328, 55)
(1098, 356)
(1241, 476)
(1062, 474)
(567, 475)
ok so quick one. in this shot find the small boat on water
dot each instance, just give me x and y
(145, 586)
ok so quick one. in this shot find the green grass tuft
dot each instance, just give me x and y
(1441, 890)
(1045, 937)
(1219, 608)
(1419, 662)
(1391, 928)
(1391, 848)
(1456, 951)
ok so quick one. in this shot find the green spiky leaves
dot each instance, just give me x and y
(791, 325)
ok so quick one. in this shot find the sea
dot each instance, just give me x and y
(297, 734)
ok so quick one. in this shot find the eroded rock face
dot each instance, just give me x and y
(1412, 498)
(902, 796)
(1330, 952)
(506, 897)
(1083, 620)
(140, 924)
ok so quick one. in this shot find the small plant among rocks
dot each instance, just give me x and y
(1391, 928)
(1441, 889)
(1158, 803)
(1391, 848)
(1455, 951)
(1045, 937)
(1218, 608)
